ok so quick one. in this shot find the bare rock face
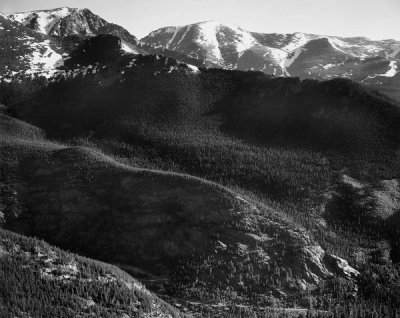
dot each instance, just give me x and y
(342, 267)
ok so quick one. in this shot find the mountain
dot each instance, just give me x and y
(298, 54)
(66, 21)
(228, 192)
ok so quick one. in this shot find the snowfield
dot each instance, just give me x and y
(207, 39)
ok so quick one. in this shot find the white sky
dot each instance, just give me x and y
(376, 19)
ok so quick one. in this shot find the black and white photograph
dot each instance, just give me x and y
(200, 159)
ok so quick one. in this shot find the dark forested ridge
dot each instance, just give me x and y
(302, 175)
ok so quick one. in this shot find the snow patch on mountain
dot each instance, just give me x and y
(193, 68)
(298, 39)
(173, 37)
(35, 55)
(243, 39)
(278, 56)
(207, 39)
(44, 58)
(328, 66)
(128, 48)
(294, 55)
(334, 43)
(392, 71)
(184, 35)
(362, 48)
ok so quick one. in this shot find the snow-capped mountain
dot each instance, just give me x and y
(226, 45)
(65, 21)
(34, 43)
(298, 54)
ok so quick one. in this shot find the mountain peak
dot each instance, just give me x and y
(65, 21)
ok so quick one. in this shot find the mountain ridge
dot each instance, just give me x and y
(232, 47)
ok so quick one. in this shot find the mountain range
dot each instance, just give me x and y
(373, 63)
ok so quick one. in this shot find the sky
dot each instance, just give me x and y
(376, 19)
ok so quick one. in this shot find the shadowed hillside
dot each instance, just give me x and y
(169, 225)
